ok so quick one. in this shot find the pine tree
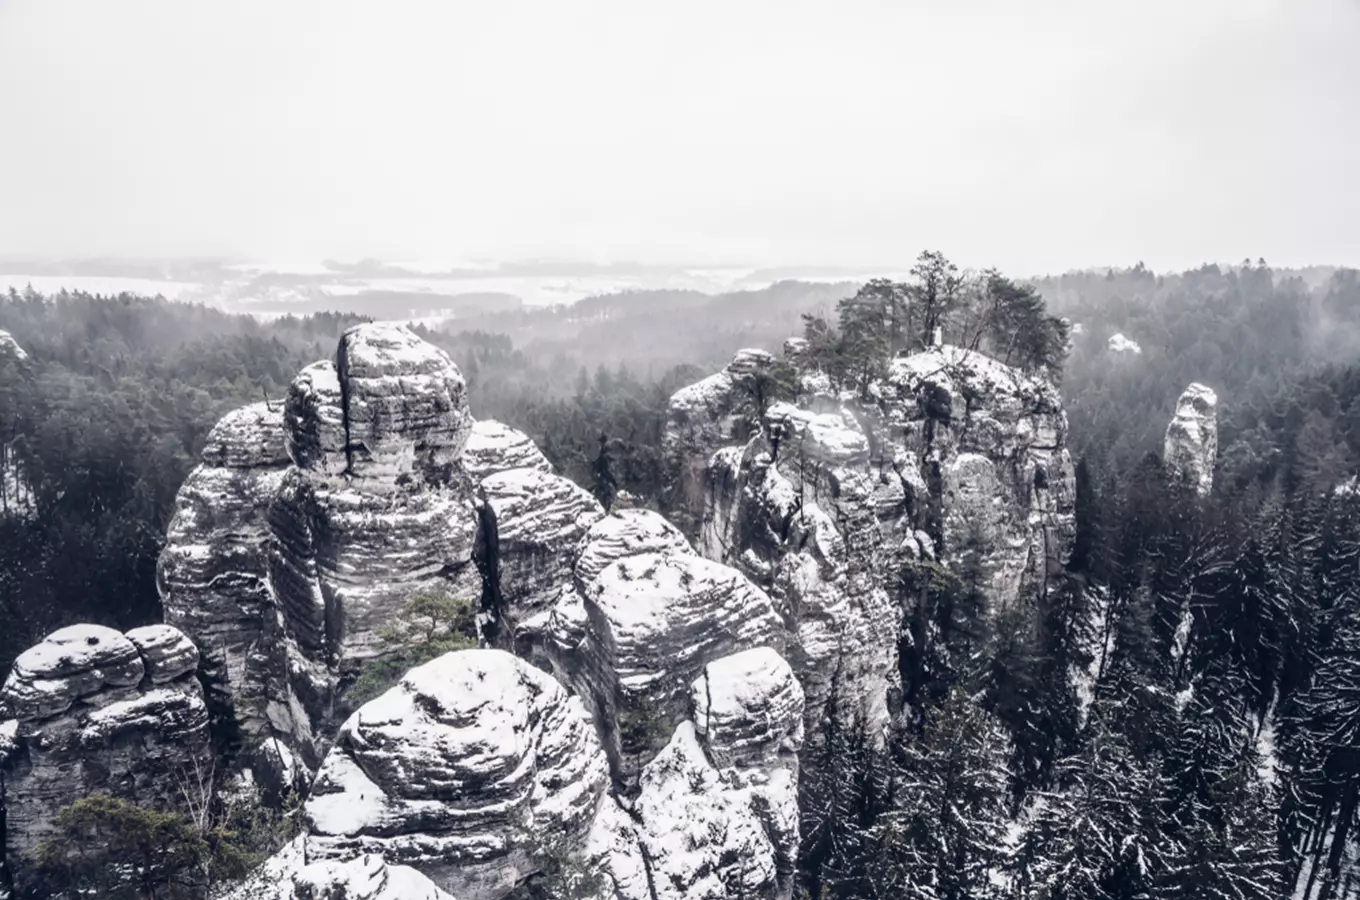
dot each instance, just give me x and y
(1099, 835)
(942, 839)
(864, 342)
(843, 789)
(603, 483)
(1221, 809)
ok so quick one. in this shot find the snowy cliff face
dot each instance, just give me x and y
(213, 573)
(954, 456)
(705, 416)
(1191, 446)
(93, 710)
(311, 523)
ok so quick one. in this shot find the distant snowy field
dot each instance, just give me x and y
(270, 290)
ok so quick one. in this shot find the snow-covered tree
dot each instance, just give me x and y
(943, 836)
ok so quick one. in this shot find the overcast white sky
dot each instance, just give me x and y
(1036, 135)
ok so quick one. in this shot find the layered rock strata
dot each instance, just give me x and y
(477, 764)
(310, 524)
(638, 746)
(92, 710)
(213, 574)
(447, 771)
(288, 876)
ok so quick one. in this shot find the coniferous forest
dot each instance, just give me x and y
(1178, 717)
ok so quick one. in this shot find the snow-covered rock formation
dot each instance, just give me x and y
(10, 347)
(90, 709)
(1191, 446)
(308, 527)
(952, 456)
(477, 764)
(213, 574)
(288, 876)
(450, 769)
(1119, 343)
(646, 722)
(707, 415)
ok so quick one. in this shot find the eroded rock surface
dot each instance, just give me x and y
(952, 456)
(644, 628)
(493, 447)
(89, 710)
(448, 770)
(213, 573)
(1191, 446)
(288, 876)
(534, 525)
(311, 523)
(618, 732)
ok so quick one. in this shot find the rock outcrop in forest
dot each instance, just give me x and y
(633, 719)
(826, 498)
(632, 699)
(1191, 447)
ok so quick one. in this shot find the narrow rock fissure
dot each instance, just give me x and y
(342, 374)
(487, 556)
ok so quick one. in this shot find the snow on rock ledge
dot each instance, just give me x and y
(92, 710)
(1191, 446)
(534, 523)
(166, 651)
(287, 876)
(748, 709)
(628, 532)
(719, 805)
(444, 771)
(69, 664)
(493, 447)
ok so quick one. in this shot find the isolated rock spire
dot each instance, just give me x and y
(1191, 445)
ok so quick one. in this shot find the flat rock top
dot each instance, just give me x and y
(72, 662)
(166, 651)
(489, 687)
(379, 349)
(741, 683)
(248, 437)
(957, 368)
(539, 507)
(628, 532)
(75, 648)
(642, 594)
(493, 448)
